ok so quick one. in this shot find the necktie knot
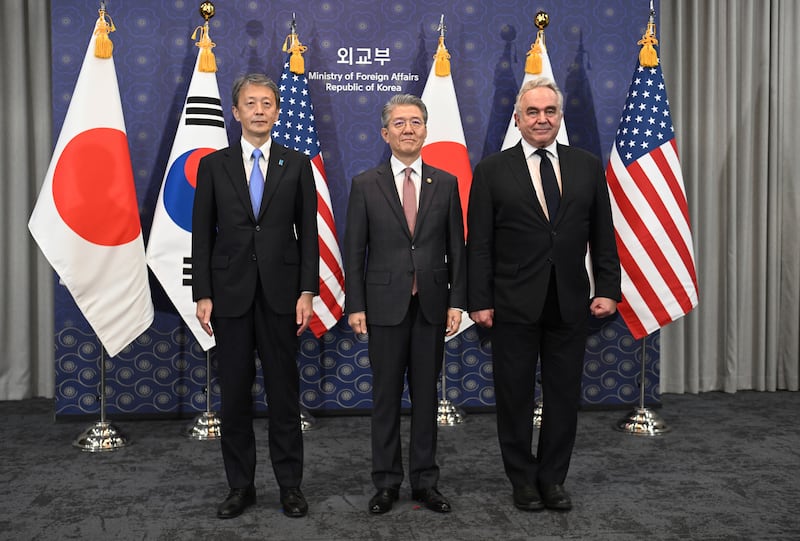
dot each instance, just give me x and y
(256, 182)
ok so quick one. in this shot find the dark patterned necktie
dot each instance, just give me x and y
(552, 195)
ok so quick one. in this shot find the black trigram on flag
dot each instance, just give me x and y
(204, 111)
(187, 271)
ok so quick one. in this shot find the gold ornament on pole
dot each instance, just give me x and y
(533, 63)
(648, 57)
(208, 63)
(292, 45)
(103, 46)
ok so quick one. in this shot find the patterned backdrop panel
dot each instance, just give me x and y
(359, 54)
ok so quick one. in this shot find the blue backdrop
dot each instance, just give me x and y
(593, 51)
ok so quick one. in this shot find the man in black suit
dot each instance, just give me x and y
(255, 269)
(406, 284)
(533, 209)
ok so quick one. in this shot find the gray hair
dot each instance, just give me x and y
(540, 82)
(402, 99)
(254, 79)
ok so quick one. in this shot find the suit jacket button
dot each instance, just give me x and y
(252, 257)
(258, 228)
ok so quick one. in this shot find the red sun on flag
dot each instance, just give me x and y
(453, 158)
(93, 188)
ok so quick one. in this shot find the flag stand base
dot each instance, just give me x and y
(101, 436)
(206, 426)
(448, 414)
(643, 422)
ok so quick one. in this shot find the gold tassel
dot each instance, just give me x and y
(208, 62)
(648, 57)
(291, 44)
(533, 63)
(442, 59)
(103, 46)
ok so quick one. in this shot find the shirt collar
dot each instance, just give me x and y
(398, 166)
(528, 149)
(247, 148)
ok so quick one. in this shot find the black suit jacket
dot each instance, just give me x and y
(231, 247)
(512, 246)
(381, 256)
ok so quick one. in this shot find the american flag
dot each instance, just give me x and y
(295, 129)
(651, 217)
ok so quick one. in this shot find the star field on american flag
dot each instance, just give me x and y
(295, 126)
(646, 122)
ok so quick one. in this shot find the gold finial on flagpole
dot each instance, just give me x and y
(208, 62)
(533, 62)
(292, 45)
(442, 57)
(648, 57)
(103, 46)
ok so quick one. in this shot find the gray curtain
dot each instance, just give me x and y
(731, 69)
(732, 75)
(26, 280)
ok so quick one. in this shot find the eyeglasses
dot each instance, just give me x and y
(399, 124)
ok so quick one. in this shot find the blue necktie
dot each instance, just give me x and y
(552, 195)
(256, 183)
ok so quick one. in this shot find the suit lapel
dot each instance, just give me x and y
(567, 169)
(388, 188)
(234, 167)
(519, 169)
(427, 187)
(275, 169)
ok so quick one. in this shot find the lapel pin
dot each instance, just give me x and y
(280, 162)
(428, 180)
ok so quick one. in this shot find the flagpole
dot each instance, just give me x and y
(642, 421)
(102, 435)
(207, 425)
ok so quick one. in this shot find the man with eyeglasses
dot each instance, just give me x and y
(533, 209)
(405, 277)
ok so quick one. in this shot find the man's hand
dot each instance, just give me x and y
(453, 321)
(484, 318)
(358, 322)
(603, 307)
(303, 312)
(203, 313)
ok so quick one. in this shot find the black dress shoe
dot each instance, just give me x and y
(432, 499)
(237, 501)
(555, 497)
(293, 502)
(527, 498)
(382, 501)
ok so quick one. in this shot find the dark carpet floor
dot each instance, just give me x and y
(728, 469)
